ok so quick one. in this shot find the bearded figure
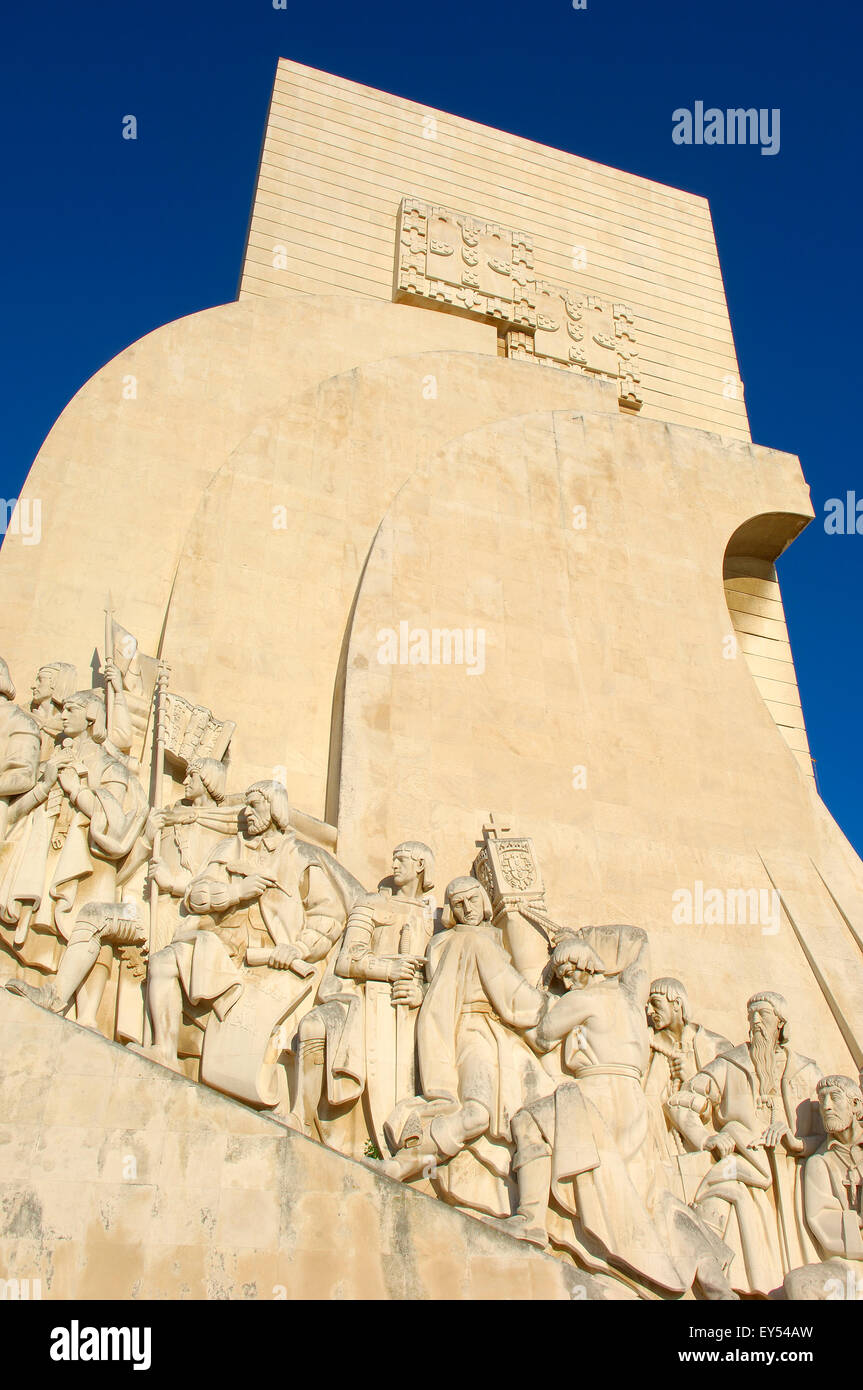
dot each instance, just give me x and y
(755, 1109)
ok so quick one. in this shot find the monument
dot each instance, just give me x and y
(406, 797)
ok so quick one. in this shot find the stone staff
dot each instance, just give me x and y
(162, 679)
(109, 656)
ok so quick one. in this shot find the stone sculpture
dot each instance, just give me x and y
(19, 748)
(522, 1070)
(53, 684)
(265, 901)
(361, 1035)
(586, 1150)
(76, 826)
(476, 1067)
(761, 1099)
(832, 1186)
(679, 1047)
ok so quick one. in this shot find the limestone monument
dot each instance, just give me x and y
(442, 553)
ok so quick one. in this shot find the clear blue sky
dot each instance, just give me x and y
(104, 239)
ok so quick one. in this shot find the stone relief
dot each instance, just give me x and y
(527, 1071)
(448, 260)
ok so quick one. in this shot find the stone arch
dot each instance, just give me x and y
(757, 614)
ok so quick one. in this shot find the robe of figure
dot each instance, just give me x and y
(469, 1050)
(767, 1229)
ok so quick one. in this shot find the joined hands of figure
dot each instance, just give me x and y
(67, 774)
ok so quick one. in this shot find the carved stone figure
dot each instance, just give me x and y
(190, 829)
(266, 900)
(679, 1048)
(586, 1165)
(476, 1068)
(360, 1036)
(99, 925)
(53, 685)
(78, 823)
(19, 748)
(761, 1099)
(832, 1187)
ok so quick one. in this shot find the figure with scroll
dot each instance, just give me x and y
(265, 902)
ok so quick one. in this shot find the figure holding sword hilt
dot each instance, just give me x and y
(360, 1039)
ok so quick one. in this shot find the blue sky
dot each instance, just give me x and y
(103, 239)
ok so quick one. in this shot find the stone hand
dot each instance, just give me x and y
(69, 780)
(720, 1144)
(282, 957)
(159, 875)
(779, 1133)
(253, 886)
(112, 675)
(50, 772)
(402, 968)
(62, 756)
(407, 992)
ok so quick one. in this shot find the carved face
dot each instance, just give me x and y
(73, 718)
(764, 1023)
(43, 685)
(572, 976)
(193, 787)
(837, 1108)
(405, 868)
(256, 813)
(661, 1012)
(467, 907)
